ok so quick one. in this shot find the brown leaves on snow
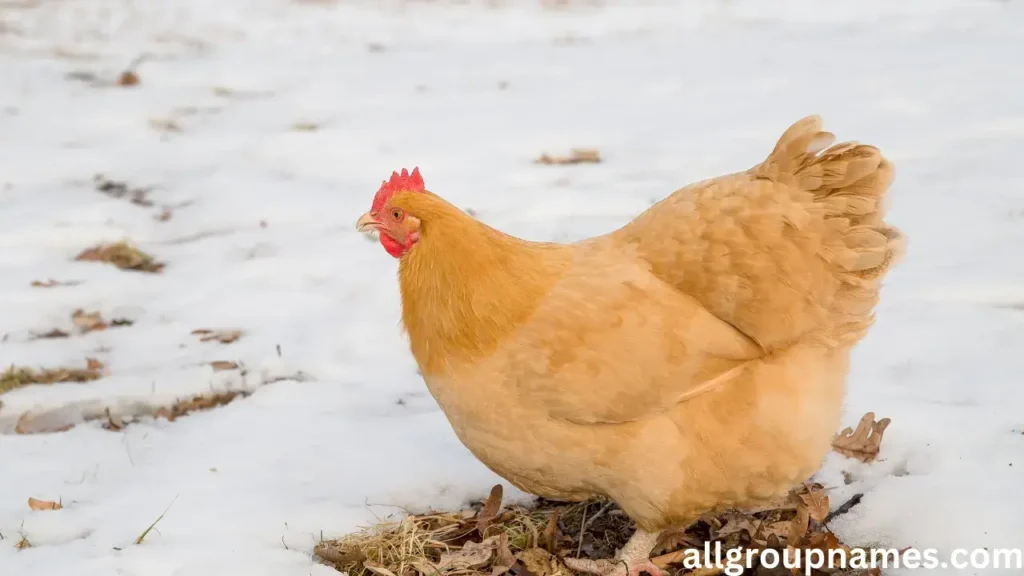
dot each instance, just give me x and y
(40, 505)
(122, 255)
(85, 322)
(864, 442)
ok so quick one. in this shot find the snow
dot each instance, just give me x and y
(339, 429)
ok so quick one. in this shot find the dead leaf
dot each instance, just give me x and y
(123, 255)
(830, 542)
(23, 544)
(539, 562)
(471, 555)
(38, 505)
(674, 539)
(94, 364)
(576, 156)
(817, 504)
(863, 443)
(87, 322)
(128, 78)
(489, 511)
(164, 215)
(222, 365)
(222, 336)
(776, 530)
(504, 559)
(549, 538)
(735, 522)
(798, 526)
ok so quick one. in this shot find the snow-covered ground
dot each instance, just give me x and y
(261, 237)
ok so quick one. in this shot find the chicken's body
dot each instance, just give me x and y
(556, 411)
(693, 360)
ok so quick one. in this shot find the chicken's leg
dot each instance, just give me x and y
(634, 558)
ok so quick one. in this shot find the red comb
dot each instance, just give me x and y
(404, 182)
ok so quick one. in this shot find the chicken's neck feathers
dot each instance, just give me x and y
(466, 287)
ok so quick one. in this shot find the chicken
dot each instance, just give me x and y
(691, 361)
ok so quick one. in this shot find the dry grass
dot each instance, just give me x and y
(123, 255)
(184, 407)
(199, 403)
(533, 541)
(18, 376)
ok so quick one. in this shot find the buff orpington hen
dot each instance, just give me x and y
(691, 361)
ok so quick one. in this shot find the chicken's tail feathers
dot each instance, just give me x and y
(850, 182)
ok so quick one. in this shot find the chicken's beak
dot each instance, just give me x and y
(367, 224)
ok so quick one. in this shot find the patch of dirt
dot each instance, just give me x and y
(19, 376)
(123, 255)
(534, 540)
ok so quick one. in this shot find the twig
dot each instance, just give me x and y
(600, 512)
(583, 526)
(849, 504)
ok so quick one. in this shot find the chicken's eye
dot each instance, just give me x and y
(396, 214)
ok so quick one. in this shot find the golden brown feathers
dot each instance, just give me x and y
(568, 369)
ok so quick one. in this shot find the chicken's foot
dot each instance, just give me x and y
(634, 558)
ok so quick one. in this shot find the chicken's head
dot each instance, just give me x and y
(397, 231)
